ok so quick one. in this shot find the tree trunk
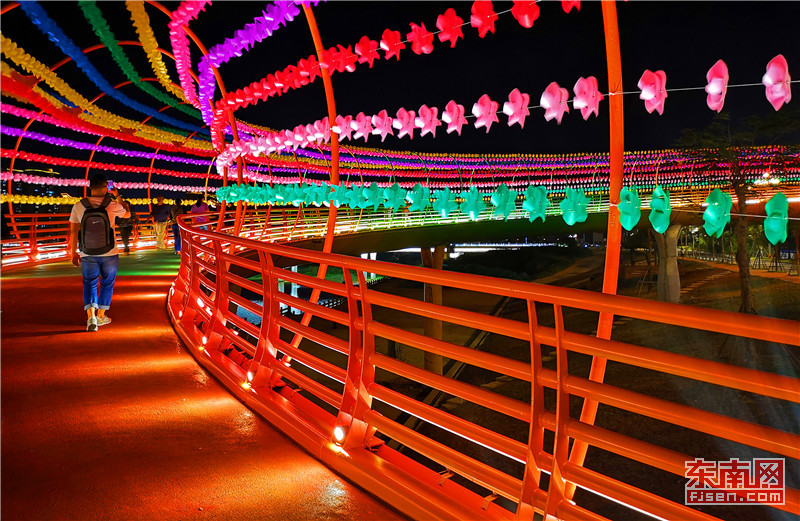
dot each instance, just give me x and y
(742, 257)
(433, 293)
(669, 279)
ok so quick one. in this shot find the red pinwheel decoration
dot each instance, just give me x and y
(367, 51)
(427, 120)
(326, 58)
(383, 124)
(483, 17)
(485, 110)
(421, 39)
(526, 12)
(587, 96)
(516, 108)
(449, 25)
(454, 117)
(363, 126)
(343, 126)
(717, 86)
(778, 82)
(554, 102)
(404, 122)
(654, 90)
(392, 43)
(345, 59)
(567, 5)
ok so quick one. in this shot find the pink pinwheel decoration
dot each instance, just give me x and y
(654, 90)
(343, 126)
(717, 87)
(567, 5)
(554, 102)
(516, 108)
(367, 51)
(526, 12)
(421, 39)
(778, 82)
(392, 44)
(449, 25)
(587, 97)
(322, 129)
(427, 120)
(485, 110)
(383, 124)
(483, 17)
(362, 125)
(404, 122)
(454, 117)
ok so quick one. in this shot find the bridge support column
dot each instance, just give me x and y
(433, 294)
(669, 280)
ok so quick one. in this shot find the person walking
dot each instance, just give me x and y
(200, 207)
(160, 216)
(126, 226)
(176, 211)
(94, 247)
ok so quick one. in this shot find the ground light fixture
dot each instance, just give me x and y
(339, 434)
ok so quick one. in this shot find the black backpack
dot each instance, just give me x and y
(96, 236)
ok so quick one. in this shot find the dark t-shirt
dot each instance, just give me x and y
(160, 213)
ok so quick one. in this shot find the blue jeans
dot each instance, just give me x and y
(176, 234)
(104, 268)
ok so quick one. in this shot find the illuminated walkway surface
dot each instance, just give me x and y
(123, 424)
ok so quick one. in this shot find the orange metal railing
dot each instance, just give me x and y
(43, 237)
(509, 459)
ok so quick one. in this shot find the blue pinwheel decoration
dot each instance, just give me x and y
(419, 197)
(574, 207)
(504, 201)
(445, 203)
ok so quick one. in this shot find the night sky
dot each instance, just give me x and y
(682, 38)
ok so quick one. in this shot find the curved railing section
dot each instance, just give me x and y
(338, 385)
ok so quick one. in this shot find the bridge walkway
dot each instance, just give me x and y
(123, 424)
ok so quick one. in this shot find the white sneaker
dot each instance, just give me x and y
(91, 324)
(103, 321)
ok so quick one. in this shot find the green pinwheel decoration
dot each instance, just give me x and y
(339, 196)
(356, 199)
(224, 193)
(319, 193)
(660, 210)
(294, 194)
(395, 197)
(278, 194)
(718, 212)
(630, 208)
(473, 203)
(504, 200)
(574, 206)
(445, 203)
(777, 209)
(536, 202)
(419, 197)
(373, 196)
